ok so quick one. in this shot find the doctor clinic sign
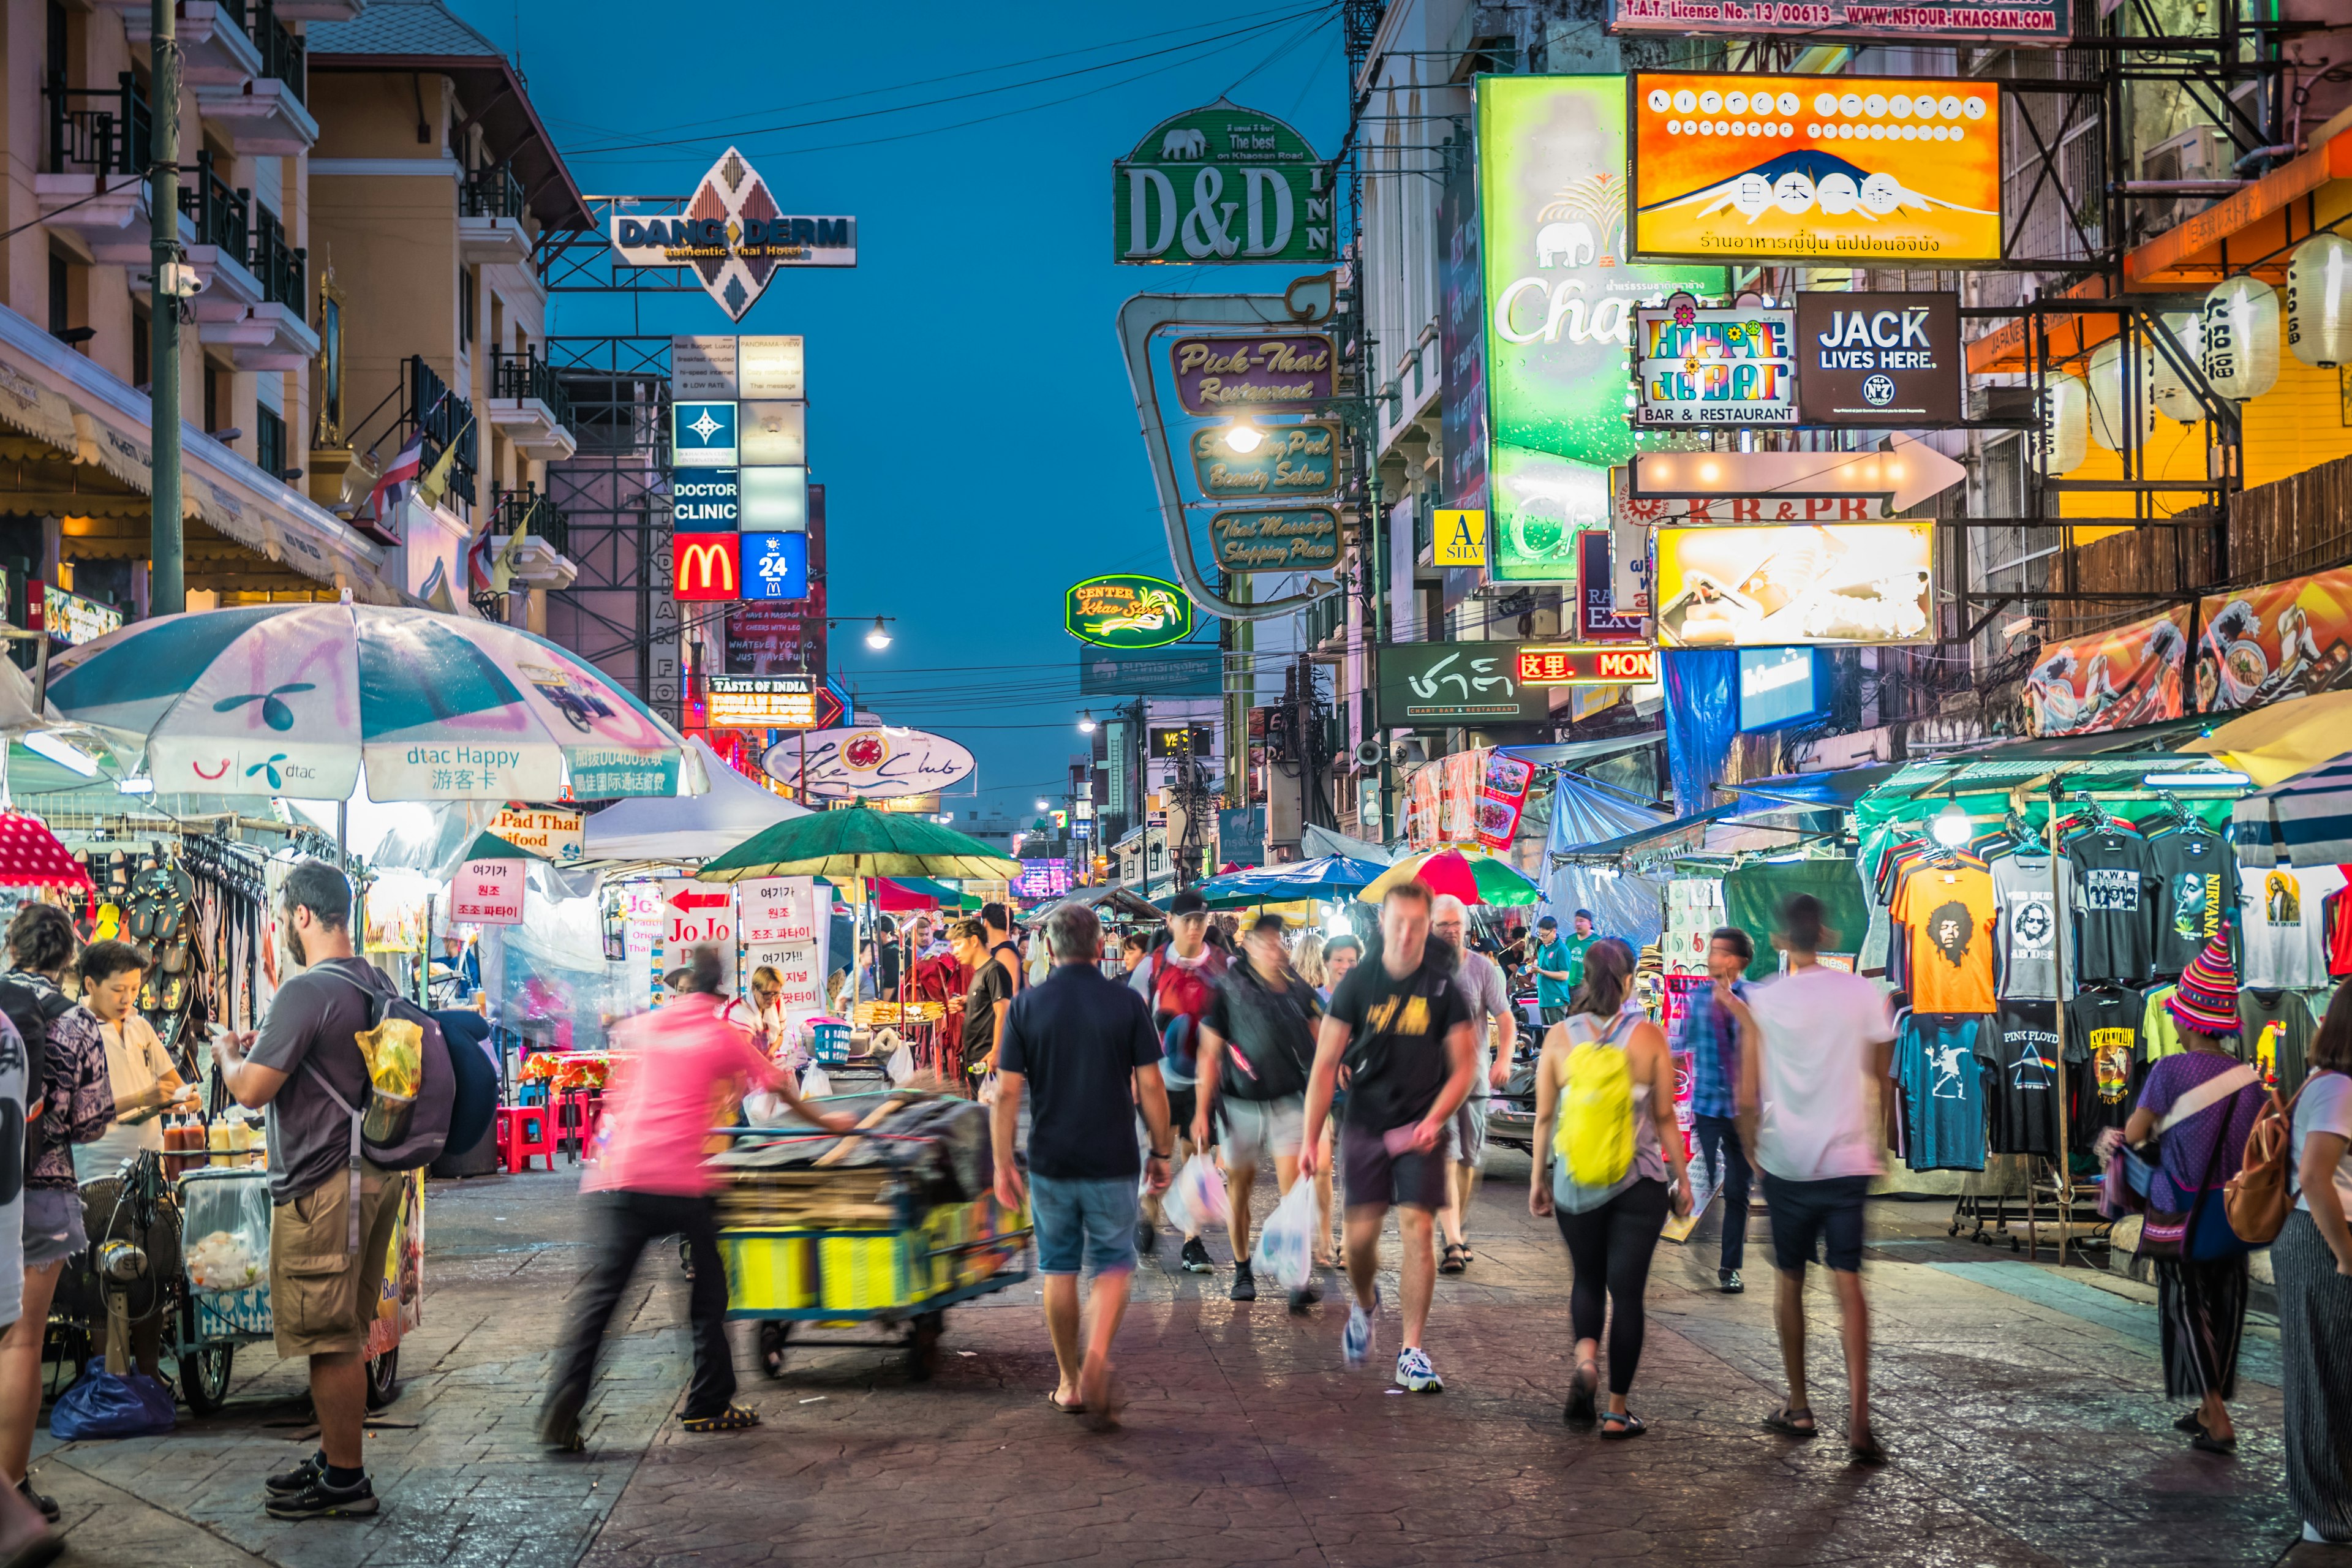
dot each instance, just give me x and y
(1223, 184)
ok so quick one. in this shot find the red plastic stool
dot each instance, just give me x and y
(578, 1114)
(522, 1132)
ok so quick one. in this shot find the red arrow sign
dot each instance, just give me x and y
(686, 902)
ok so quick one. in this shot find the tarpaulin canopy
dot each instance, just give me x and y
(2272, 744)
(1585, 813)
(2305, 820)
(695, 827)
(1332, 877)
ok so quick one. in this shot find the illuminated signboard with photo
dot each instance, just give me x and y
(1763, 588)
(1696, 366)
(1856, 169)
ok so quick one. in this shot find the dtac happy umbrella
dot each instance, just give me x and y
(290, 700)
(857, 842)
(1480, 880)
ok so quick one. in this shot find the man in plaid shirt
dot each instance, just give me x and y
(1711, 1035)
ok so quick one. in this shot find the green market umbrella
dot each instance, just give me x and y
(856, 842)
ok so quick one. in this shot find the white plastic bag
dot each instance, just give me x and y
(1284, 1252)
(901, 1067)
(815, 1085)
(1195, 1200)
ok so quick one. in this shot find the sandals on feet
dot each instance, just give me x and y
(1784, 1421)
(734, 1419)
(1455, 1257)
(1077, 1409)
(1619, 1425)
(2206, 1443)
(1581, 1392)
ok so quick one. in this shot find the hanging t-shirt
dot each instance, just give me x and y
(2280, 929)
(2025, 931)
(1947, 912)
(2114, 922)
(2029, 1094)
(2336, 921)
(2196, 893)
(2274, 1030)
(2158, 1035)
(1937, 1061)
(2103, 1047)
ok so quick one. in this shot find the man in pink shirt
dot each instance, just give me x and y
(677, 1070)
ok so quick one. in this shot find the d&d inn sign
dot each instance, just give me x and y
(1223, 184)
(735, 237)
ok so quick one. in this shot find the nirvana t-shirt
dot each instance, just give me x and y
(1949, 910)
(2117, 890)
(2025, 928)
(2029, 1094)
(1396, 1040)
(2274, 1030)
(2196, 893)
(1937, 1062)
(2102, 1054)
(2280, 929)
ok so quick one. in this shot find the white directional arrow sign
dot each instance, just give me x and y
(1750, 488)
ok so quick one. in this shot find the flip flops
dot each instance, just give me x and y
(1456, 1259)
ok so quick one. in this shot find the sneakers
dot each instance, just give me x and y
(1305, 1296)
(320, 1501)
(1356, 1344)
(47, 1505)
(1146, 1238)
(1195, 1258)
(1415, 1374)
(1728, 1281)
(1244, 1283)
(285, 1483)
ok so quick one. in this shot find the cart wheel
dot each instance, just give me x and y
(773, 1334)
(204, 1376)
(923, 1345)
(384, 1379)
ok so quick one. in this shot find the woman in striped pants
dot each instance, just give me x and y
(2313, 1262)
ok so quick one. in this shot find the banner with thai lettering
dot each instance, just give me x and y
(2129, 676)
(2283, 639)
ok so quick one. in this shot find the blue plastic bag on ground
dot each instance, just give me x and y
(104, 1405)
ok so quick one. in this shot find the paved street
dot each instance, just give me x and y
(2017, 1403)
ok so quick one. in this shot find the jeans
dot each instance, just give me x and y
(1721, 1134)
(1610, 1251)
(625, 1222)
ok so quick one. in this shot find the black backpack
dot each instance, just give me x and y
(1270, 1023)
(31, 1009)
(393, 1136)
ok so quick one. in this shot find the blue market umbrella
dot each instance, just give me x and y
(1332, 877)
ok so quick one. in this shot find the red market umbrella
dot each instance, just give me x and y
(1447, 872)
(894, 897)
(31, 856)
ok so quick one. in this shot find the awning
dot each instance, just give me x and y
(2275, 743)
(1814, 791)
(2306, 821)
(26, 406)
(1568, 754)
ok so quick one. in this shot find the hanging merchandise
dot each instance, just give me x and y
(2063, 444)
(2320, 302)
(2335, 927)
(2274, 1031)
(2241, 338)
(1940, 1062)
(2169, 388)
(2111, 867)
(2026, 901)
(2160, 1032)
(2281, 933)
(2197, 895)
(1694, 910)
(1753, 894)
(1947, 911)
(2029, 1091)
(2114, 404)
(2103, 1029)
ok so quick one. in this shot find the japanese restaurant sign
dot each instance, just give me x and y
(2283, 639)
(487, 893)
(2131, 675)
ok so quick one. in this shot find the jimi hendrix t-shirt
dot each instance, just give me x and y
(1949, 913)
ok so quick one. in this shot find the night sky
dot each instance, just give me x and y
(969, 414)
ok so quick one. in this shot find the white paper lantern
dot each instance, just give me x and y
(2064, 442)
(2319, 301)
(2111, 422)
(2241, 338)
(2171, 393)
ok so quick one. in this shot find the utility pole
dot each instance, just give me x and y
(167, 590)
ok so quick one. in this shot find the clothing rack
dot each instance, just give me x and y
(2040, 1206)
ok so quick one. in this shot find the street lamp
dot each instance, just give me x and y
(1045, 805)
(1243, 437)
(880, 637)
(1085, 723)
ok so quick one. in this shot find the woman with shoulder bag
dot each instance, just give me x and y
(2202, 1104)
(1609, 1172)
(2313, 1261)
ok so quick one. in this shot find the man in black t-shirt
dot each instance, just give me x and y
(1257, 1042)
(985, 1003)
(1402, 1024)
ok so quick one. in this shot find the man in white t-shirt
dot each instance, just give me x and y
(1815, 1044)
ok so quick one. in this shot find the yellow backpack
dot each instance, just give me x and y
(1595, 1139)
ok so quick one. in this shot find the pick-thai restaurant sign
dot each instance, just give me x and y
(1750, 166)
(1284, 372)
(1694, 365)
(1297, 538)
(734, 235)
(1223, 184)
(1283, 461)
(2019, 23)
(1879, 361)
(871, 762)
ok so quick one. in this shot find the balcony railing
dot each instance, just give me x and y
(223, 215)
(282, 54)
(446, 420)
(528, 375)
(109, 133)
(281, 268)
(526, 510)
(492, 193)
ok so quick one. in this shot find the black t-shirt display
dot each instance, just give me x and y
(1076, 1038)
(2026, 1094)
(1396, 1043)
(2115, 896)
(990, 986)
(1269, 1030)
(2196, 893)
(2103, 1031)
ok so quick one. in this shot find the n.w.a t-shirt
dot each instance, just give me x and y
(2119, 925)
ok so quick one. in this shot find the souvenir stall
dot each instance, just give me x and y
(2031, 913)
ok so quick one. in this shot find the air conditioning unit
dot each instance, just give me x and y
(2199, 152)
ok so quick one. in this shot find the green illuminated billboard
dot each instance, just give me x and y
(1559, 309)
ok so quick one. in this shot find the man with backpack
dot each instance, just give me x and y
(1178, 981)
(1257, 1042)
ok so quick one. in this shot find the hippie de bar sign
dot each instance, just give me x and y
(735, 236)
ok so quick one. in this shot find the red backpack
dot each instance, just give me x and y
(1180, 991)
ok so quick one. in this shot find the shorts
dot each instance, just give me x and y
(323, 1295)
(1551, 1013)
(1182, 1103)
(53, 1227)
(1373, 1176)
(1466, 1133)
(1827, 1212)
(1257, 1132)
(1083, 1223)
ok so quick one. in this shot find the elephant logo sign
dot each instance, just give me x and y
(1182, 143)
(1569, 244)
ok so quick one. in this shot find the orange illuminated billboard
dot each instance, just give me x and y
(1729, 167)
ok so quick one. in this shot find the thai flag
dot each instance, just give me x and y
(399, 476)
